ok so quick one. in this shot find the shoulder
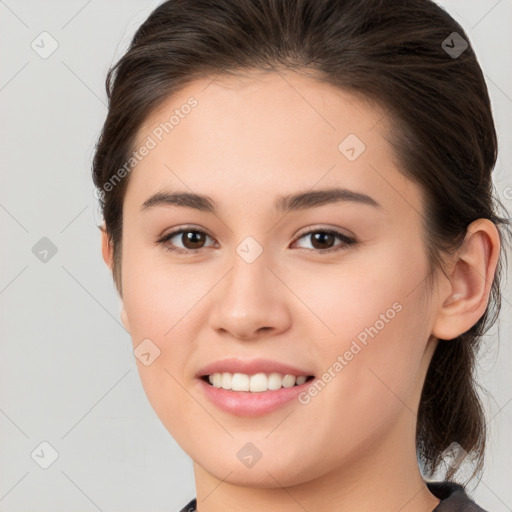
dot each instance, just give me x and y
(453, 498)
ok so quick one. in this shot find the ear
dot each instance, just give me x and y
(107, 252)
(466, 295)
(106, 247)
(124, 318)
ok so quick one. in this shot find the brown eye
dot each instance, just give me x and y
(323, 241)
(191, 240)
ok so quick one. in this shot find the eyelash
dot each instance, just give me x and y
(347, 241)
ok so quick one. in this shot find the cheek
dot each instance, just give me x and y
(160, 308)
(377, 332)
(159, 296)
(369, 384)
(159, 300)
(361, 292)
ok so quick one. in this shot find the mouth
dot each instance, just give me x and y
(252, 395)
(255, 383)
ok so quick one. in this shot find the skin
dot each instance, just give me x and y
(249, 140)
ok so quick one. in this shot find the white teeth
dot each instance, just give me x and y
(240, 382)
(300, 380)
(225, 383)
(289, 381)
(216, 379)
(274, 381)
(255, 383)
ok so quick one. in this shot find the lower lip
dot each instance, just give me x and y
(247, 403)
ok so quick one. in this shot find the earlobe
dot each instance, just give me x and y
(470, 281)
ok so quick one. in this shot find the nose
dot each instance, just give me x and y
(250, 302)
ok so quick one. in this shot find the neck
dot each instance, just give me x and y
(384, 476)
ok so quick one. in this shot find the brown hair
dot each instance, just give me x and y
(395, 54)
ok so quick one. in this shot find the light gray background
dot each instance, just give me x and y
(67, 373)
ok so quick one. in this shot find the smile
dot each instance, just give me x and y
(256, 383)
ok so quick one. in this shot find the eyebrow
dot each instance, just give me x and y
(288, 203)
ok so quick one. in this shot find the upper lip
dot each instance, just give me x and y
(250, 367)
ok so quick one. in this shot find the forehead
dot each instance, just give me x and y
(279, 106)
(247, 136)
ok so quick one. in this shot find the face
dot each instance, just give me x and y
(328, 285)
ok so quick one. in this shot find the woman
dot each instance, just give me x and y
(300, 221)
